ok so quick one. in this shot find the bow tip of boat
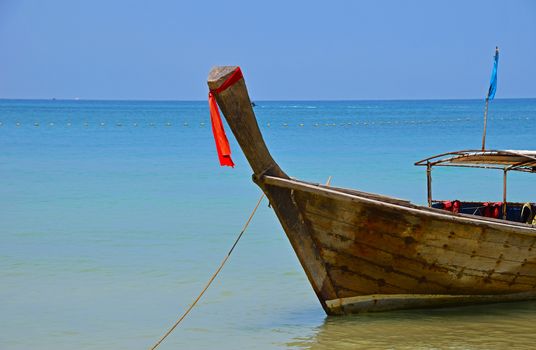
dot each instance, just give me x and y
(218, 74)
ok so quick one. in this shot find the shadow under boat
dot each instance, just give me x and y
(368, 252)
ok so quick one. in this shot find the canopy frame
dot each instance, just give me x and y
(505, 160)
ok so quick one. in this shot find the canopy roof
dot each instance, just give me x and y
(489, 159)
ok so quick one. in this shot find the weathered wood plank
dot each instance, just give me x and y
(378, 303)
(507, 226)
(435, 263)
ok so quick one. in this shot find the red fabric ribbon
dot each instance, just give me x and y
(222, 143)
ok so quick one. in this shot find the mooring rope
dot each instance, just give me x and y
(211, 278)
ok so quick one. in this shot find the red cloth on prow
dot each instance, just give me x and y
(222, 143)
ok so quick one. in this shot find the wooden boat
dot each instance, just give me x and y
(368, 252)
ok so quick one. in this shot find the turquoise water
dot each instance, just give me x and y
(114, 215)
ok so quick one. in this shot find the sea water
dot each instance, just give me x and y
(113, 215)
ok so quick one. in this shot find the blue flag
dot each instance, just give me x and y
(493, 83)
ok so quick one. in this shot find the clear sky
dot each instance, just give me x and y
(130, 49)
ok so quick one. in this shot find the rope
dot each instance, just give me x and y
(211, 278)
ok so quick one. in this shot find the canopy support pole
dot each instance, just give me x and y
(504, 194)
(429, 182)
(485, 125)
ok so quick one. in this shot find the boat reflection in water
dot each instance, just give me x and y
(497, 326)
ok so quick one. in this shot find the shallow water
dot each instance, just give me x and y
(114, 215)
(498, 326)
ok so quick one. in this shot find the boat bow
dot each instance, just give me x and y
(237, 109)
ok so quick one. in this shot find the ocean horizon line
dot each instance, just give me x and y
(261, 100)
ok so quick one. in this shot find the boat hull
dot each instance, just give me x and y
(384, 254)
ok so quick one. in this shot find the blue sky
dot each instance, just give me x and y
(287, 49)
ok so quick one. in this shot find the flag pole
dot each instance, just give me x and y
(485, 124)
(491, 94)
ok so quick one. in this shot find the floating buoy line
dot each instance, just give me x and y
(203, 124)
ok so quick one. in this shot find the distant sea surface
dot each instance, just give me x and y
(113, 215)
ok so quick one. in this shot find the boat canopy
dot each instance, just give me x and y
(505, 160)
